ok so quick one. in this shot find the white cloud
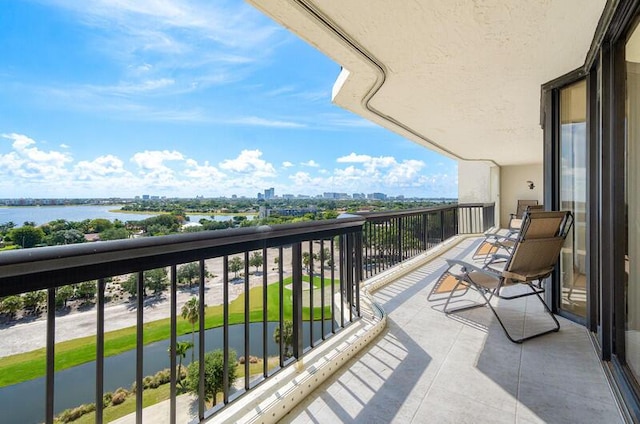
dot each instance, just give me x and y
(311, 163)
(103, 167)
(304, 181)
(249, 162)
(27, 161)
(65, 146)
(205, 171)
(354, 158)
(154, 159)
(287, 164)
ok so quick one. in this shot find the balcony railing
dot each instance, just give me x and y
(390, 238)
(323, 261)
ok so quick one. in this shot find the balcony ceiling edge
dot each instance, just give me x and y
(460, 78)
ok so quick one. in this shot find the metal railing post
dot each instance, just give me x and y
(51, 342)
(139, 345)
(173, 392)
(100, 350)
(296, 264)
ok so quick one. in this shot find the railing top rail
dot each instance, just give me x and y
(66, 264)
(475, 205)
(383, 214)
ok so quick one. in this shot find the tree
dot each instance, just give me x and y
(191, 312)
(235, 265)
(181, 352)
(213, 374)
(64, 237)
(33, 300)
(256, 260)
(156, 280)
(87, 290)
(130, 285)
(4, 228)
(10, 305)
(306, 261)
(187, 273)
(63, 294)
(287, 341)
(114, 234)
(99, 225)
(26, 236)
(323, 256)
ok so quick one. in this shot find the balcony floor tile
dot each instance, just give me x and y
(430, 367)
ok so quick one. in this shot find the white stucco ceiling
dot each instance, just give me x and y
(460, 76)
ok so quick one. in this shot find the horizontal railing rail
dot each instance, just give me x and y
(318, 298)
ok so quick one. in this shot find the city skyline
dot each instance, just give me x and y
(104, 99)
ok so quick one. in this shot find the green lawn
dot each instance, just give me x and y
(29, 365)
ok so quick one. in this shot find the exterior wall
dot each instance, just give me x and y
(514, 187)
(479, 182)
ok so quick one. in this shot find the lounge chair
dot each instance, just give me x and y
(534, 258)
(495, 243)
(515, 222)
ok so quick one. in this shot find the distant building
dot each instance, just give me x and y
(359, 196)
(145, 197)
(331, 195)
(266, 211)
(269, 193)
(377, 196)
(288, 196)
(260, 196)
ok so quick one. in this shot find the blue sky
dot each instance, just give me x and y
(103, 98)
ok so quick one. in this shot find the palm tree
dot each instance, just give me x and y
(190, 312)
(181, 353)
(287, 339)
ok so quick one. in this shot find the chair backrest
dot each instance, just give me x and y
(538, 246)
(523, 205)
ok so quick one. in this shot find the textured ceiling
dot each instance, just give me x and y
(460, 76)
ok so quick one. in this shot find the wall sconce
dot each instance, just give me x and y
(531, 185)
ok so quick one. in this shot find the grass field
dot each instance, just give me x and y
(29, 365)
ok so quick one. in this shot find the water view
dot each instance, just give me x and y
(43, 214)
(74, 386)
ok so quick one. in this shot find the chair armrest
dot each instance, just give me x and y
(466, 267)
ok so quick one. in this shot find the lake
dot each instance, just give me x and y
(43, 214)
(25, 402)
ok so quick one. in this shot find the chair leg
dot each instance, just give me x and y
(495, 312)
(532, 336)
(448, 311)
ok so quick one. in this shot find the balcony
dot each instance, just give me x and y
(425, 365)
(430, 367)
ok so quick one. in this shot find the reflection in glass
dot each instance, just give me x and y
(573, 194)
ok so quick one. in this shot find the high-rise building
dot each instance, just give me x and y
(269, 193)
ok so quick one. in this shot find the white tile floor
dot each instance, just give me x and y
(433, 368)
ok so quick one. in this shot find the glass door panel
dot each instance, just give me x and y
(573, 196)
(632, 204)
